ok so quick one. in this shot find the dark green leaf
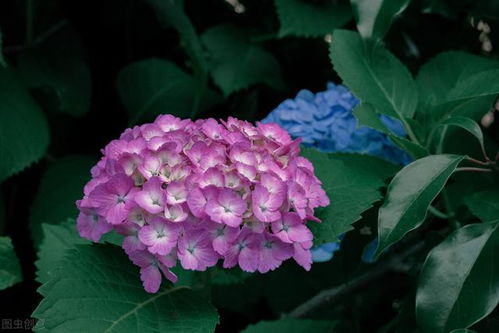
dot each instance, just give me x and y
(473, 108)
(61, 185)
(57, 68)
(236, 63)
(458, 284)
(170, 12)
(467, 124)
(409, 195)
(484, 205)
(10, 269)
(367, 116)
(96, 288)
(352, 183)
(438, 77)
(414, 149)
(374, 17)
(462, 330)
(371, 77)
(57, 240)
(291, 325)
(477, 85)
(300, 18)
(151, 87)
(24, 132)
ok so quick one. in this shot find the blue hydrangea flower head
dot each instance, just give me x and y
(325, 121)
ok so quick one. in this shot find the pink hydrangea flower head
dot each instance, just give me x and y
(196, 192)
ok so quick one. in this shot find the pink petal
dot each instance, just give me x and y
(151, 278)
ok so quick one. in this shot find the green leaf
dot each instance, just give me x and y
(458, 284)
(374, 17)
(170, 12)
(352, 183)
(151, 87)
(467, 124)
(96, 288)
(409, 195)
(371, 76)
(462, 330)
(61, 185)
(484, 205)
(303, 19)
(24, 132)
(367, 116)
(10, 268)
(57, 240)
(236, 63)
(477, 85)
(414, 149)
(2, 59)
(58, 71)
(291, 325)
(440, 75)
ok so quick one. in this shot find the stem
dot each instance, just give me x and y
(440, 146)
(410, 133)
(200, 91)
(438, 213)
(482, 163)
(331, 295)
(473, 169)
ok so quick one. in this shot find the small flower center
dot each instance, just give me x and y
(120, 199)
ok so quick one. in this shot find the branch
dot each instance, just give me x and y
(396, 264)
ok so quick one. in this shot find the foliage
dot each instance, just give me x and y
(74, 74)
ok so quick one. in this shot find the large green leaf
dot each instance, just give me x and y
(352, 183)
(375, 77)
(10, 269)
(484, 205)
(236, 63)
(438, 77)
(374, 17)
(409, 195)
(459, 284)
(477, 85)
(291, 325)
(57, 240)
(151, 87)
(414, 149)
(24, 132)
(61, 185)
(304, 19)
(57, 70)
(170, 12)
(96, 288)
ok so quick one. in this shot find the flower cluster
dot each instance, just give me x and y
(325, 121)
(203, 191)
